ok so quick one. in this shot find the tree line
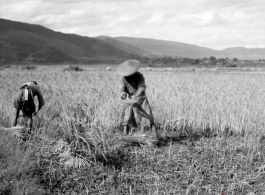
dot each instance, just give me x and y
(193, 61)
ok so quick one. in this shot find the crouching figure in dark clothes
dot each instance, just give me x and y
(24, 101)
(139, 114)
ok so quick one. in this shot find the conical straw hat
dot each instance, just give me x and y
(128, 67)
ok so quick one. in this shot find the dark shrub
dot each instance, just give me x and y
(29, 67)
(73, 68)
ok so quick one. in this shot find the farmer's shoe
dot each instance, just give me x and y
(126, 130)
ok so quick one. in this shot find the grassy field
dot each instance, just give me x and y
(211, 125)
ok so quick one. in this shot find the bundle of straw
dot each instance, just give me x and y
(15, 131)
(135, 140)
(127, 102)
(130, 101)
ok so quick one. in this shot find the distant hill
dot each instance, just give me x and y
(178, 49)
(24, 43)
(50, 54)
(244, 53)
(124, 46)
(168, 48)
(19, 41)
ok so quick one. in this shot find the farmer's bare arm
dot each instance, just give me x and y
(40, 100)
(14, 117)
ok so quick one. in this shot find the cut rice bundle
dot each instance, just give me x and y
(15, 131)
(131, 101)
(135, 140)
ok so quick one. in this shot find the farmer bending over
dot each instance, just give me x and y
(24, 101)
(133, 87)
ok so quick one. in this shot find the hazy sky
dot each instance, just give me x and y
(216, 24)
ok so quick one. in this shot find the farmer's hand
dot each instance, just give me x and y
(134, 98)
(124, 96)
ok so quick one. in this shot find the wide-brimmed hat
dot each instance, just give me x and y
(128, 67)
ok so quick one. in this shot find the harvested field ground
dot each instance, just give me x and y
(211, 127)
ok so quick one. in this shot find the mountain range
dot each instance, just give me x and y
(23, 42)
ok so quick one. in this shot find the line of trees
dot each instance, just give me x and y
(194, 61)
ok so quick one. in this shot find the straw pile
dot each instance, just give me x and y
(134, 140)
(17, 131)
(127, 102)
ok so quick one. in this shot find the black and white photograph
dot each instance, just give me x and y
(132, 97)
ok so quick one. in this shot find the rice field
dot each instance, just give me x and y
(211, 126)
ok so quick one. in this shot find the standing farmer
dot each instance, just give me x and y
(24, 101)
(133, 87)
